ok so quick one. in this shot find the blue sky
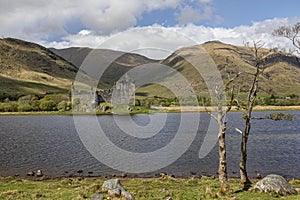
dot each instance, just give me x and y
(89, 23)
(232, 13)
(235, 12)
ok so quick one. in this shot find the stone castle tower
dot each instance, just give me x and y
(124, 91)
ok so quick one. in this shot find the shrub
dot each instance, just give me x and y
(281, 116)
(11, 106)
(1, 107)
(47, 105)
(27, 99)
(25, 108)
(64, 106)
(57, 98)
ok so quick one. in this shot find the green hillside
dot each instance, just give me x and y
(28, 68)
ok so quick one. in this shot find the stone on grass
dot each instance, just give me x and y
(114, 187)
(114, 192)
(97, 196)
(274, 183)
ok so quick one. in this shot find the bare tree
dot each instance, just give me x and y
(290, 32)
(259, 59)
(221, 120)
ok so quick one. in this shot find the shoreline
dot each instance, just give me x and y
(234, 109)
(156, 109)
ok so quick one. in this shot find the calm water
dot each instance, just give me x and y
(51, 143)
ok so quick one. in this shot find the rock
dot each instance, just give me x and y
(97, 196)
(113, 186)
(30, 173)
(169, 198)
(127, 195)
(274, 183)
(258, 176)
(114, 192)
(39, 173)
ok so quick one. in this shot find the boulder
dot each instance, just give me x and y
(274, 183)
(115, 189)
(30, 173)
(97, 196)
(39, 173)
(114, 192)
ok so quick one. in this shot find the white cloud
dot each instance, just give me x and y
(201, 10)
(43, 19)
(188, 15)
(102, 20)
(158, 42)
(31, 19)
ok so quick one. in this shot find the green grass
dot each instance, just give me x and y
(144, 189)
(17, 88)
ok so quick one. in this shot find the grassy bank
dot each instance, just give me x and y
(175, 109)
(203, 109)
(150, 189)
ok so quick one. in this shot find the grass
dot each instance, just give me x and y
(141, 188)
(143, 110)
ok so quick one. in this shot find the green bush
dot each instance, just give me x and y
(47, 105)
(137, 102)
(57, 98)
(27, 99)
(281, 116)
(11, 106)
(35, 105)
(1, 107)
(25, 108)
(64, 106)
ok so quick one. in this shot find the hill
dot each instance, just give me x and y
(280, 78)
(118, 67)
(28, 68)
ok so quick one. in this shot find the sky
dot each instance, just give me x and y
(145, 25)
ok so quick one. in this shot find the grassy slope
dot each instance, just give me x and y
(18, 88)
(281, 77)
(28, 68)
(142, 189)
(123, 63)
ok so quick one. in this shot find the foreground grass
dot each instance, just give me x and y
(150, 189)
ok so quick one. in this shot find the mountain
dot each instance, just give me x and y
(123, 63)
(28, 68)
(280, 78)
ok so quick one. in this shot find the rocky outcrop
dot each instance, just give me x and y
(115, 189)
(274, 183)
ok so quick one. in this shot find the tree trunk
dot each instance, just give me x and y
(243, 159)
(222, 159)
